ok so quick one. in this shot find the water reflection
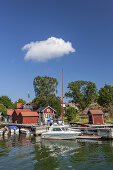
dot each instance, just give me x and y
(3, 147)
(21, 152)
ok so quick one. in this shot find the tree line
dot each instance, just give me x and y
(81, 92)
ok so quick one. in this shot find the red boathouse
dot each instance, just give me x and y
(16, 113)
(95, 116)
(28, 117)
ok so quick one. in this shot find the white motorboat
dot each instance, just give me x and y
(60, 132)
(25, 131)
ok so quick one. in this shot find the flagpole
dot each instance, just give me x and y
(62, 96)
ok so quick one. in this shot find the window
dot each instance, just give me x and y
(57, 129)
(48, 110)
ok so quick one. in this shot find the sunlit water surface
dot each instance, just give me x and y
(27, 153)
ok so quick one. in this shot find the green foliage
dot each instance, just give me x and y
(106, 95)
(45, 89)
(3, 109)
(82, 92)
(45, 86)
(21, 101)
(6, 101)
(70, 113)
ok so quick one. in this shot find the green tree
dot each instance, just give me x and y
(6, 101)
(106, 95)
(21, 101)
(45, 91)
(82, 92)
(70, 113)
(3, 109)
(45, 86)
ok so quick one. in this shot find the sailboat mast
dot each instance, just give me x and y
(62, 95)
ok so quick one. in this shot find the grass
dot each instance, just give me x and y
(108, 119)
(82, 119)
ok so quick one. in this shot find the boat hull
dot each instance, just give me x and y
(89, 137)
(59, 136)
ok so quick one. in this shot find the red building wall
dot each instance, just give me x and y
(30, 120)
(98, 119)
(90, 119)
(20, 119)
(14, 117)
(48, 110)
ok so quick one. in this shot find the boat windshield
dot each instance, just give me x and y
(64, 129)
(57, 129)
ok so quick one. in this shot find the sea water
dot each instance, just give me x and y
(31, 153)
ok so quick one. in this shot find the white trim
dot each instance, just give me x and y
(50, 107)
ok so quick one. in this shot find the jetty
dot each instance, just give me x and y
(105, 130)
(35, 128)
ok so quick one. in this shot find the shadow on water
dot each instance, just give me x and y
(21, 152)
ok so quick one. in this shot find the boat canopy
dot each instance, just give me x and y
(13, 127)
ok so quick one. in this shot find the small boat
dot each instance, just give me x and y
(4, 131)
(25, 131)
(13, 130)
(60, 132)
(84, 136)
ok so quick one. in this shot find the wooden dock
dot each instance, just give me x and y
(104, 130)
(36, 129)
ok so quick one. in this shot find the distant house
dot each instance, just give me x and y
(9, 115)
(46, 114)
(67, 105)
(27, 106)
(19, 105)
(28, 117)
(95, 116)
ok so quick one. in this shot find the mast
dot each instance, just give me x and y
(62, 95)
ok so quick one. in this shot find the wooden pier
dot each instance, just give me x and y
(36, 129)
(104, 130)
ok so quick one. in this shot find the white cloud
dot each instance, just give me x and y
(47, 49)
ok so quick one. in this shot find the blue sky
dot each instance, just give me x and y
(86, 24)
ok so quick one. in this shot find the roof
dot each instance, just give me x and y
(10, 112)
(43, 108)
(67, 104)
(13, 127)
(95, 112)
(21, 110)
(29, 114)
(34, 105)
(19, 105)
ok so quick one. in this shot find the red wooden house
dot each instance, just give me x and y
(46, 114)
(95, 116)
(9, 115)
(27, 117)
(16, 113)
